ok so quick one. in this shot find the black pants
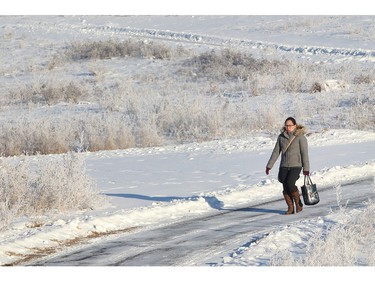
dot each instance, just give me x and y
(288, 177)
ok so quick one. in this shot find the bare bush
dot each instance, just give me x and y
(47, 187)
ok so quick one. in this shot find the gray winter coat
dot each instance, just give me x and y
(297, 153)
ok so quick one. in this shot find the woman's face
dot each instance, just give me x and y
(289, 126)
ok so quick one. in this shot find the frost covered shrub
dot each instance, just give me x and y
(294, 78)
(28, 136)
(202, 119)
(364, 79)
(106, 132)
(51, 185)
(361, 115)
(187, 121)
(50, 93)
(348, 242)
(110, 49)
(227, 64)
(126, 118)
(86, 131)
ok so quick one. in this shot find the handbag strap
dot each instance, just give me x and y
(289, 143)
(307, 180)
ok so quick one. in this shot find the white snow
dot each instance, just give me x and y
(155, 186)
(148, 187)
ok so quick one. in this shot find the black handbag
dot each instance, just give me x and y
(310, 192)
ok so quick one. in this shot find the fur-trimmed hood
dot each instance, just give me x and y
(300, 130)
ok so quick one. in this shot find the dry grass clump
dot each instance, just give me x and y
(228, 64)
(364, 79)
(84, 132)
(45, 187)
(111, 49)
(27, 136)
(203, 119)
(239, 67)
(347, 242)
(49, 93)
(102, 132)
(359, 115)
(294, 77)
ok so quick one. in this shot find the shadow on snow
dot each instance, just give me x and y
(212, 201)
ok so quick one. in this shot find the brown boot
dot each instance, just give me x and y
(297, 200)
(289, 202)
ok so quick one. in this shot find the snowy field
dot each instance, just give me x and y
(175, 180)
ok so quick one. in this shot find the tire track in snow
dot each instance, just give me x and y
(221, 41)
(185, 37)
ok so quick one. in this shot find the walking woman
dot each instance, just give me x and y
(292, 144)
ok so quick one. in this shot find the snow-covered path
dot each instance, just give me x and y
(207, 240)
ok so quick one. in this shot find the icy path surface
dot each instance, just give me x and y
(206, 240)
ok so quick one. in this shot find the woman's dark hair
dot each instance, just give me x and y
(291, 119)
